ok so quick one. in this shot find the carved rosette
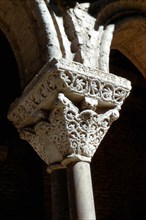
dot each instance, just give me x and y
(76, 81)
(67, 109)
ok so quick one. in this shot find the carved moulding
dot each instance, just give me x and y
(67, 109)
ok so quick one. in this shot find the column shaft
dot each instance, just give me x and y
(80, 191)
(60, 208)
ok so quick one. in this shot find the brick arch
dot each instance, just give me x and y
(130, 27)
(129, 39)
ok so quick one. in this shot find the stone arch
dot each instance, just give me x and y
(20, 58)
(26, 24)
(130, 27)
(129, 45)
(129, 39)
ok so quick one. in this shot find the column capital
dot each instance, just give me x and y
(67, 109)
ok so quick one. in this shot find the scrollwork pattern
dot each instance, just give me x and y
(46, 117)
(73, 80)
(70, 131)
(94, 87)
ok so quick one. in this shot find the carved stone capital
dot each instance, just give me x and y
(68, 133)
(67, 109)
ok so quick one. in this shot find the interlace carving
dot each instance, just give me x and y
(64, 113)
(70, 79)
(70, 131)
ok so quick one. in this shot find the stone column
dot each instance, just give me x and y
(80, 191)
(60, 205)
(64, 114)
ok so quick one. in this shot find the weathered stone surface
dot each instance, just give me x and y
(80, 191)
(119, 167)
(74, 80)
(130, 27)
(67, 109)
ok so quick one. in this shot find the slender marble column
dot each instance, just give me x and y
(80, 191)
